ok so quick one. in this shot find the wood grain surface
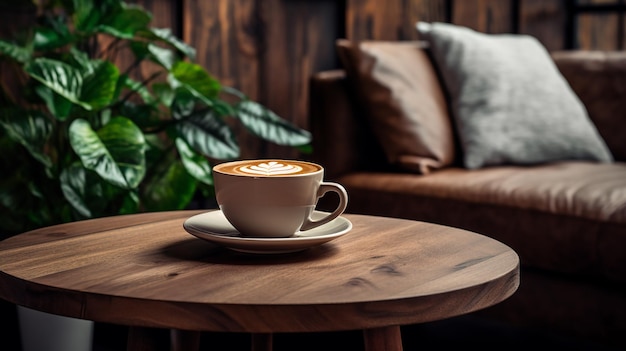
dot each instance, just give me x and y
(145, 270)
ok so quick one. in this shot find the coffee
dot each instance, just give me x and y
(268, 168)
(273, 198)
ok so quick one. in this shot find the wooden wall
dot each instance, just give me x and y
(270, 48)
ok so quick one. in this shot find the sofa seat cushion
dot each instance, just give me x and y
(568, 216)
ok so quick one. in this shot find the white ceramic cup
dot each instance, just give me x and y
(273, 198)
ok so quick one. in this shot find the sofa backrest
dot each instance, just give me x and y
(343, 140)
(599, 80)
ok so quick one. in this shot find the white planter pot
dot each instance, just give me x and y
(42, 331)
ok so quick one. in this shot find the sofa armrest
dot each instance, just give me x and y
(599, 80)
(342, 142)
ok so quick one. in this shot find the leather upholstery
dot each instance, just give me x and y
(566, 220)
(402, 100)
(563, 217)
(599, 79)
(340, 140)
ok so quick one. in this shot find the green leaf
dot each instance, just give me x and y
(139, 49)
(164, 92)
(76, 187)
(234, 92)
(125, 23)
(92, 88)
(116, 152)
(86, 16)
(31, 130)
(52, 34)
(172, 190)
(86, 192)
(143, 115)
(165, 35)
(196, 79)
(81, 61)
(126, 144)
(269, 126)
(197, 165)
(162, 56)
(222, 108)
(58, 76)
(99, 87)
(137, 87)
(305, 149)
(183, 103)
(19, 210)
(16, 52)
(58, 106)
(158, 153)
(130, 203)
(209, 135)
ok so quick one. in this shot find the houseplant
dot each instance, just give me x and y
(90, 136)
(102, 114)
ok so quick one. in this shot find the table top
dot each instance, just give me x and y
(146, 270)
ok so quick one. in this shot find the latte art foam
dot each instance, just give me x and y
(267, 168)
(270, 168)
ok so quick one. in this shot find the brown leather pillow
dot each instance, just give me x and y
(401, 95)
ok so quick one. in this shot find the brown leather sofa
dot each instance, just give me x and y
(566, 220)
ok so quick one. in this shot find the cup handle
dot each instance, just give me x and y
(343, 203)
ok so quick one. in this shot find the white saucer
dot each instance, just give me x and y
(214, 227)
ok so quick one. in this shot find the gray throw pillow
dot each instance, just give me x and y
(510, 103)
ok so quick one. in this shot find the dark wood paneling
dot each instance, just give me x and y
(598, 31)
(545, 20)
(165, 13)
(390, 20)
(225, 34)
(597, 25)
(298, 40)
(366, 19)
(488, 16)
(432, 11)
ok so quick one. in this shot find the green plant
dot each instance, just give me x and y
(82, 136)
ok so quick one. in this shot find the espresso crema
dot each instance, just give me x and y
(267, 168)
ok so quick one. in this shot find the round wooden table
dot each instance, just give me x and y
(145, 271)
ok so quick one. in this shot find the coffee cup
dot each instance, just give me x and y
(273, 198)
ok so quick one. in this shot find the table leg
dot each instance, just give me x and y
(262, 342)
(184, 340)
(383, 339)
(142, 339)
